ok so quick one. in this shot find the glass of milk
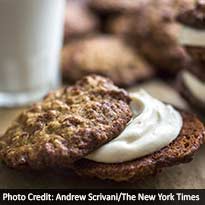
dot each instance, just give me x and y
(31, 34)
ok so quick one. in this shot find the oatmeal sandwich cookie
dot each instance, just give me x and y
(115, 7)
(128, 6)
(192, 37)
(101, 131)
(67, 125)
(104, 55)
(158, 136)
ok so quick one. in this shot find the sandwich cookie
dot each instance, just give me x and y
(129, 6)
(192, 38)
(156, 137)
(154, 36)
(67, 125)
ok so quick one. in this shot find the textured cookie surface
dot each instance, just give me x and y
(105, 55)
(68, 124)
(180, 150)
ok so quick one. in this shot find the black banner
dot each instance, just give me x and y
(99, 196)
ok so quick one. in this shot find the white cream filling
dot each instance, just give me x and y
(190, 36)
(154, 126)
(195, 85)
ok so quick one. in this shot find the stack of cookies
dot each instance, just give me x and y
(134, 41)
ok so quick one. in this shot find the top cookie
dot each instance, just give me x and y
(67, 125)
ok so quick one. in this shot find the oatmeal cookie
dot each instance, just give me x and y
(67, 125)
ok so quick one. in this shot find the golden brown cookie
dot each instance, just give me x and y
(181, 150)
(192, 79)
(104, 55)
(67, 125)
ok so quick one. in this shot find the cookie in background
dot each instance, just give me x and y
(105, 55)
(164, 92)
(117, 24)
(192, 38)
(124, 6)
(100, 130)
(67, 124)
(153, 38)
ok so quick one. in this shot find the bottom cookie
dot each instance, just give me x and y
(181, 150)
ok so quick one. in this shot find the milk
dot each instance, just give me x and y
(30, 41)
